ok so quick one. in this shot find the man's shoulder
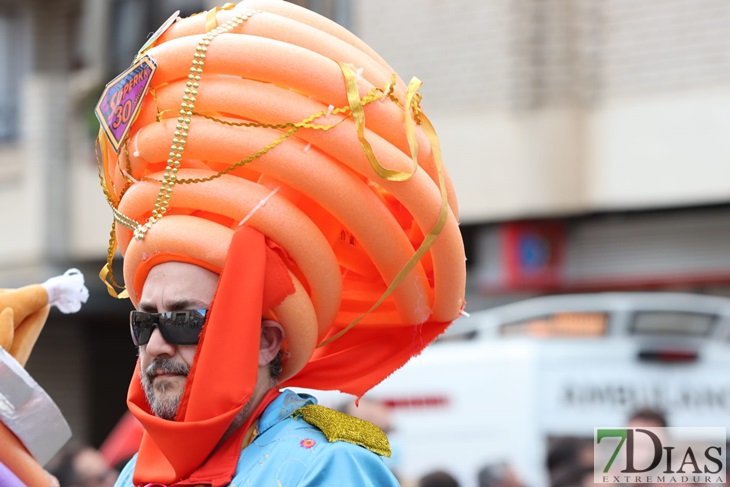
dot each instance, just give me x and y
(297, 452)
(338, 426)
(295, 411)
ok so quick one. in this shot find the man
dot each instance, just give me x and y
(275, 233)
(307, 458)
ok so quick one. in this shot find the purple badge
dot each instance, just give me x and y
(122, 99)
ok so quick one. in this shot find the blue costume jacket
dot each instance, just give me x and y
(289, 452)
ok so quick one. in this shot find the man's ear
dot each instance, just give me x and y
(272, 338)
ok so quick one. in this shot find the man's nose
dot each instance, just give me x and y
(158, 345)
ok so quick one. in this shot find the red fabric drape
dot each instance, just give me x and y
(363, 357)
(223, 375)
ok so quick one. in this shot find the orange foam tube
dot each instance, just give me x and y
(268, 103)
(277, 219)
(296, 313)
(297, 310)
(139, 259)
(14, 455)
(301, 14)
(296, 33)
(256, 58)
(332, 186)
(419, 195)
(196, 24)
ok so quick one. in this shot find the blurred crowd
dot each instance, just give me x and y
(569, 460)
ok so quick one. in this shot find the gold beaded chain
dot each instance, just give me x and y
(169, 178)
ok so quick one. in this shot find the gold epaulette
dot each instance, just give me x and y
(343, 427)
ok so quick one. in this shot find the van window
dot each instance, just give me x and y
(682, 323)
(564, 324)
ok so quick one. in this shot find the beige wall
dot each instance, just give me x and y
(557, 107)
(660, 150)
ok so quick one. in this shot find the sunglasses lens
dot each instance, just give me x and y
(182, 327)
(141, 325)
(176, 327)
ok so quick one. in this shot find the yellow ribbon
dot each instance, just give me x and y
(107, 275)
(427, 241)
(410, 122)
(358, 115)
(210, 16)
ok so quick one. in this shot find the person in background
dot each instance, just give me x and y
(80, 465)
(574, 476)
(438, 478)
(567, 457)
(647, 418)
(498, 475)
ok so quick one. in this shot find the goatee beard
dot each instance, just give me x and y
(162, 408)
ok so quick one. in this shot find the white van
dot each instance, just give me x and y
(502, 382)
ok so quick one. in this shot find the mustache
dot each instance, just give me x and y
(165, 366)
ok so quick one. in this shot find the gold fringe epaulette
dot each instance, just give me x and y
(337, 426)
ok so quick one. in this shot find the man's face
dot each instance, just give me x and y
(164, 367)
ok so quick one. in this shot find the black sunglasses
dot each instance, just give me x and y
(176, 327)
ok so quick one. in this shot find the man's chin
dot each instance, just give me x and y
(165, 394)
(165, 405)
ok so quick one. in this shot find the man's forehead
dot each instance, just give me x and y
(173, 286)
(174, 268)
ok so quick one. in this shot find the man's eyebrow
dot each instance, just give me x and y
(175, 305)
(147, 308)
(184, 304)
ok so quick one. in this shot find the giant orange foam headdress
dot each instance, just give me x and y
(266, 115)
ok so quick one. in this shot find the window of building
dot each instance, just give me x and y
(13, 60)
